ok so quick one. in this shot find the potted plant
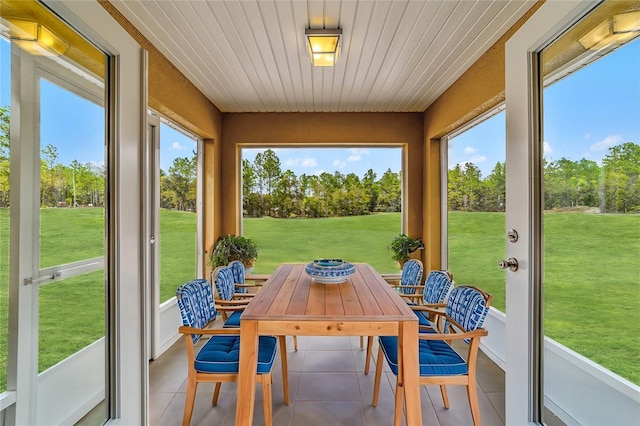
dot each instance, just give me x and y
(233, 247)
(402, 246)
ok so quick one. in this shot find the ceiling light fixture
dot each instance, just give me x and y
(33, 37)
(323, 46)
(615, 30)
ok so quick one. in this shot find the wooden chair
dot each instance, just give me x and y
(440, 364)
(410, 279)
(229, 298)
(229, 301)
(244, 284)
(218, 359)
(434, 292)
(231, 304)
(408, 284)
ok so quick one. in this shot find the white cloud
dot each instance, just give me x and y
(339, 164)
(309, 162)
(470, 150)
(478, 159)
(354, 158)
(302, 162)
(587, 136)
(177, 147)
(606, 143)
(359, 151)
(546, 148)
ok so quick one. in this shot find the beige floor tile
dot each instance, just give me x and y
(327, 387)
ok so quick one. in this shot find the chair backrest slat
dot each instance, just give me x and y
(468, 306)
(411, 275)
(223, 280)
(437, 287)
(195, 301)
(237, 270)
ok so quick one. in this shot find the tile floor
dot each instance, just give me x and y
(327, 387)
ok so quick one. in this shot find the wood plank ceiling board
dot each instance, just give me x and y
(251, 55)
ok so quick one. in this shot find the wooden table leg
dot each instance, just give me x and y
(408, 347)
(247, 373)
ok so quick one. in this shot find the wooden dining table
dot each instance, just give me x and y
(292, 303)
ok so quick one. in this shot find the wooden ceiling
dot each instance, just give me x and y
(250, 55)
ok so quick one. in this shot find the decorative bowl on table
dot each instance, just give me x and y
(330, 271)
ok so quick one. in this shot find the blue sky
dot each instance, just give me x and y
(586, 113)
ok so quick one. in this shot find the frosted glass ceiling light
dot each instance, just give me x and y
(33, 37)
(323, 46)
(615, 30)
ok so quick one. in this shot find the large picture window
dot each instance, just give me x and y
(301, 204)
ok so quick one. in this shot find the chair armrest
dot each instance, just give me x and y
(257, 278)
(242, 295)
(246, 285)
(212, 331)
(479, 332)
(241, 302)
(430, 307)
(230, 308)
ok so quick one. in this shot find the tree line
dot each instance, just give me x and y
(83, 184)
(613, 187)
(267, 190)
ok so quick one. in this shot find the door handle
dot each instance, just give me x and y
(510, 264)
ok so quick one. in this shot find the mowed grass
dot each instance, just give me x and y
(352, 238)
(592, 264)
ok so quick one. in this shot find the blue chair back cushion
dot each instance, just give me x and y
(195, 301)
(467, 307)
(237, 270)
(224, 283)
(411, 275)
(221, 354)
(436, 358)
(436, 287)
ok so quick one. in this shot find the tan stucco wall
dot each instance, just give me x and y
(480, 89)
(175, 97)
(324, 129)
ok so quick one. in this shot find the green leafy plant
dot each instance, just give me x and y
(233, 247)
(402, 246)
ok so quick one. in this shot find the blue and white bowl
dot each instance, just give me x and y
(329, 271)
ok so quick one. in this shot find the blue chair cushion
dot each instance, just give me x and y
(233, 321)
(435, 356)
(422, 317)
(221, 354)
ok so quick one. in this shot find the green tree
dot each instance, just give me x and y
(287, 196)
(370, 189)
(390, 195)
(495, 189)
(48, 190)
(621, 179)
(5, 118)
(180, 184)
(267, 168)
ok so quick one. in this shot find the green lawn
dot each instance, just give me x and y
(592, 283)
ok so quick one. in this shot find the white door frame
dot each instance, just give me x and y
(525, 335)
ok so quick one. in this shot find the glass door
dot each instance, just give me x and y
(57, 185)
(173, 246)
(573, 240)
(591, 228)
